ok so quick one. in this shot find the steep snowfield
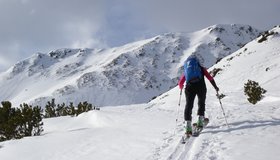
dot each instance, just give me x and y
(133, 73)
(254, 129)
(149, 130)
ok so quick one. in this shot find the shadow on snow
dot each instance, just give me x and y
(243, 125)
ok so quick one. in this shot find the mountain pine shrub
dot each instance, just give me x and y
(56, 110)
(31, 120)
(16, 123)
(83, 107)
(253, 91)
(50, 109)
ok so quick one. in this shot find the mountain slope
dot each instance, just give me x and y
(149, 131)
(253, 132)
(257, 60)
(134, 73)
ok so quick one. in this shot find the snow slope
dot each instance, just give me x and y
(149, 130)
(254, 129)
(129, 74)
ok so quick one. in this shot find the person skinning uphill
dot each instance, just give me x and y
(195, 85)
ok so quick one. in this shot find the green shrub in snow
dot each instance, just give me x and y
(253, 91)
(56, 110)
(20, 122)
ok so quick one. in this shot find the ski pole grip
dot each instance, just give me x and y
(218, 95)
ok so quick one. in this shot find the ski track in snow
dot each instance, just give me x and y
(216, 142)
(181, 150)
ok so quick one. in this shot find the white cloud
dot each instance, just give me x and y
(41, 26)
(84, 34)
(7, 59)
(4, 63)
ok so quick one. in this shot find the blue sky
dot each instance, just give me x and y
(30, 26)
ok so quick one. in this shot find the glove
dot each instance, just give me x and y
(217, 89)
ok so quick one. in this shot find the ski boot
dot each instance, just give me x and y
(200, 122)
(198, 127)
(188, 131)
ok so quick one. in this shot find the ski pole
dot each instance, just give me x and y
(218, 96)
(179, 104)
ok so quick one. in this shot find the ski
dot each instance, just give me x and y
(196, 131)
(185, 138)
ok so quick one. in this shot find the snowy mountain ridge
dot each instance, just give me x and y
(133, 73)
(264, 51)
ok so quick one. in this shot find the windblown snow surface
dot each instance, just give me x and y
(149, 131)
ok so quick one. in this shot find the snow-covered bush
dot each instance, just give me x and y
(253, 91)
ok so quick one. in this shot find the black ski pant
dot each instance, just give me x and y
(191, 91)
